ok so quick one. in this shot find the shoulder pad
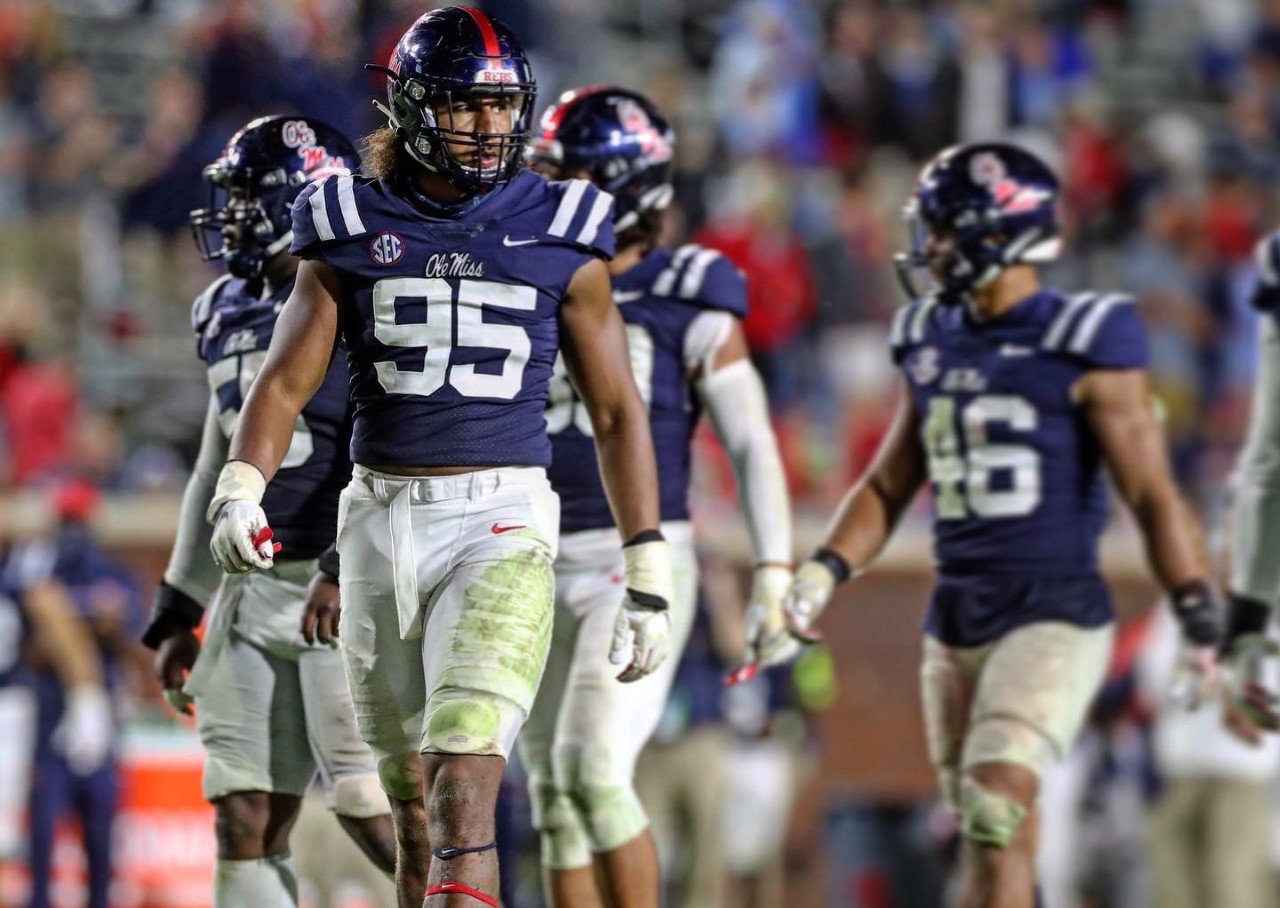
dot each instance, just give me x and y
(704, 277)
(583, 216)
(910, 326)
(202, 309)
(1103, 329)
(328, 211)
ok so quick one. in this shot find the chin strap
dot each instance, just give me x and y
(452, 888)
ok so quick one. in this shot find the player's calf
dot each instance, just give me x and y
(462, 795)
(254, 863)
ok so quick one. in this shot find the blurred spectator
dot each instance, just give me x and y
(106, 597)
(1211, 828)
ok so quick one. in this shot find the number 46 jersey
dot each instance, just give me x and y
(451, 324)
(1019, 495)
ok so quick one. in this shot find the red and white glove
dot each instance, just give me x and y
(241, 538)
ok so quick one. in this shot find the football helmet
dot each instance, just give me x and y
(252, 186)
(984, 206)
(619, 139)
(448, 56)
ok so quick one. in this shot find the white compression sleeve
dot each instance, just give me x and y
(735, 400)
(1255, 551)
(190, 569)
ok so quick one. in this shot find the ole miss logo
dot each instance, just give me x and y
(387, 248)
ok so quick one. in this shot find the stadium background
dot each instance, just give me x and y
(800, 126)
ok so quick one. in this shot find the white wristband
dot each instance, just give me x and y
(238, 481)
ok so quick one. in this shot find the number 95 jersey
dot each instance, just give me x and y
(451, 323)
(1016, 472)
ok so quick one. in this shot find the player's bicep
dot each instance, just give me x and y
(305, 335)
(593, 339)
(1119, 411)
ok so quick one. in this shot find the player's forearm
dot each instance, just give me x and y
(1255, 571)
(627, 466)
(863, 524)
(1174, 543)
(64, 638)
(190, 570)
(736, 403)
(265, 428)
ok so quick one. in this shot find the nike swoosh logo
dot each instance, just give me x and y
(627, 296)
(1015, 350)
(507, 241)
(499, 530)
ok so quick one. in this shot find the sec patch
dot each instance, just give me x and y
(386, 248)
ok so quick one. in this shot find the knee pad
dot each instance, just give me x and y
(471, 723)
(563, 834)
(401, 776)
(359, 797)
(597, 781)
(1007, 739)
(987, 816)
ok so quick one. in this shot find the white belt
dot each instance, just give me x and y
(400, 493)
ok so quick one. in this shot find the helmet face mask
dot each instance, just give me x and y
(252, 186)
(977, 210)
(445, 102)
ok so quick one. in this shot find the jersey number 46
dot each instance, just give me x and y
(963, 463)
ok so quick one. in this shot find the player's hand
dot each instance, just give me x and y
(768, 640)
(1246, 660)
(810, 591)
(85, 734)
(642, 631)
(174, 658)
(323, 609)
(241, 539)
(1237, 722)
(1198, 676)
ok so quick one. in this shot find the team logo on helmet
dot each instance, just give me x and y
(386, 248)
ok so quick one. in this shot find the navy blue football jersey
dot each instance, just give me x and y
(451, 324)
(1019, 493)
(15, 633)
(234, 329)
(660, 298)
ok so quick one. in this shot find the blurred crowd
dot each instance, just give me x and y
(801, 124)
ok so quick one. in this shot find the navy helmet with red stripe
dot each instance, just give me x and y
(985, 206)
(447, 59)
(619, 139)
(253, 183)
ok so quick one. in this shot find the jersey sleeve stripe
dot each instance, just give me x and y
(1089, 325)
(1058, 330)
(897, 332)
(696, 273)
(599, 209)
(347, 202)
(915, 334)
(203, 306)
(568, 208)
(320, 212)
(666, 281)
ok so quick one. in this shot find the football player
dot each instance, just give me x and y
(454, 276)
(1255, 570)
(270, 707)
(1016, 395)
(682, 311)
(682, 314)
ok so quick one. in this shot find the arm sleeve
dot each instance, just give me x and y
(735, 401)
(191, 569)
(1255, 560)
